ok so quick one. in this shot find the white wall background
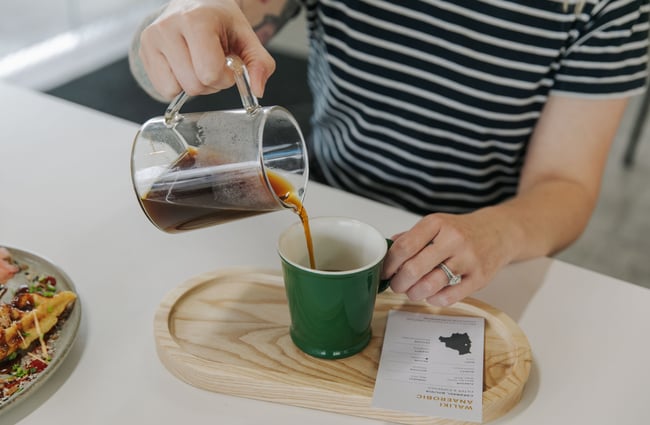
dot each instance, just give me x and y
(44, 43)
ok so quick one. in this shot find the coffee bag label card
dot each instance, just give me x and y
(432, 365)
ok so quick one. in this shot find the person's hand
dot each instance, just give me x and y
(186, 46)
(469, 245)
(7, 268)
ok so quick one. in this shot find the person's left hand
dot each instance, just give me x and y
(470, 245)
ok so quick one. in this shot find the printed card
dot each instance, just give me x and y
(432, 365)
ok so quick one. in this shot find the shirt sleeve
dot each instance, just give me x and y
(609, 53)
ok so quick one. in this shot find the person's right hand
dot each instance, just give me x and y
(186, 46)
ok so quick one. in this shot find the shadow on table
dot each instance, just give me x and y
(514, 287)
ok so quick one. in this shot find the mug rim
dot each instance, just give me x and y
(365, 267)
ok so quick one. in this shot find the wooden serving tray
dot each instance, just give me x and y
(228, 332)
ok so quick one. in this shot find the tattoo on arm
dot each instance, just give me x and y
(271, 24)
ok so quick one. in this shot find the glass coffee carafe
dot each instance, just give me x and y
(199, 169)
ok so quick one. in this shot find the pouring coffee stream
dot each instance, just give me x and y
(287, 194)
(200, 169)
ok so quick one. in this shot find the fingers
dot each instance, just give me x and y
(451, 294)
(434, 288)
(413, 261)
(430, 283)
(433, 285)
(406, 245)
(404, 263)
(157, 67)
(186, 50)
(259, 62)
(179, 59)
(414, 270)
(207, 65)
(260, 70)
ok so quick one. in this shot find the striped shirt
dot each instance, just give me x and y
(429, 105)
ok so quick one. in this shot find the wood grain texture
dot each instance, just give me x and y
(228, 332)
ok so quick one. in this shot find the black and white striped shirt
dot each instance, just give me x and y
(429, 104)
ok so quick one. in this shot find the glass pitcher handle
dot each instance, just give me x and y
(171, 114)
(242, 80)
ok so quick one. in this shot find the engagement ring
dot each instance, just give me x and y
(453, 279)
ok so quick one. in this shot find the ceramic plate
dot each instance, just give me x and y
(58, 341)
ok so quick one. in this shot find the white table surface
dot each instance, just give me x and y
(67, 195)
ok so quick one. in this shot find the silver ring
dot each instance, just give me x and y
(452, 279)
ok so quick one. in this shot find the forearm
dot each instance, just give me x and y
(561, 178)
(135, 62)
(542, 220)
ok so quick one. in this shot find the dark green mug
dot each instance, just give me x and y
(331, 307)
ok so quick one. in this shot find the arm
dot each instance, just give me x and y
(557, 194)
(561, 178)
(268, 17)
(184, 46)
